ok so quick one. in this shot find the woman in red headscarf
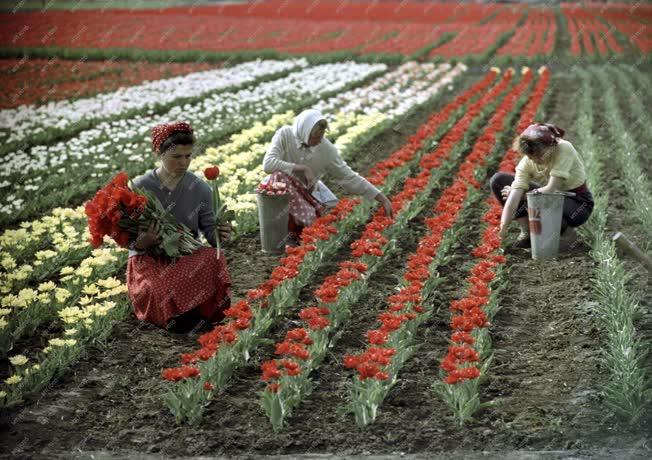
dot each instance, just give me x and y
(550, 160)
(191, 292)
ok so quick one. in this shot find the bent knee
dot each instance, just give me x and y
(500, 179)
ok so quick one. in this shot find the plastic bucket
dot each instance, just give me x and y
(545, 212)
(273, 219)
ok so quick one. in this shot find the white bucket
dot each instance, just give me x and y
(545, 212)
(273, 215)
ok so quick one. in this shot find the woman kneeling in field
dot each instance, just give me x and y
(192, 291)
(298, 157)
(547, 159)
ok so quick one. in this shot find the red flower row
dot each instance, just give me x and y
(280, 25)
(479, 39)
(322, 229)
(239, 315)
(372, 241)
(459, 363)
(536, 37)
(369, 363)
(585, 27)
(456, 134)
(630, 22)
(309, 27)
(180, 373)
(382, 169)
(404, 306)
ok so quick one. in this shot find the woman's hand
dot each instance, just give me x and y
(150, 236)
(505, 192)
(224, 231)
(513, 199)
(311, 180)
(554, 184)
(385, 203)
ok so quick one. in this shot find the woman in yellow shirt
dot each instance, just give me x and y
(547, 159)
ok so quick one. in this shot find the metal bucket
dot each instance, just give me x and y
(273, 218)
(545, 212)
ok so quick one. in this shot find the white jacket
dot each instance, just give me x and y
(288, 149)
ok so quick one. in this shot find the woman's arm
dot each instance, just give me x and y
(350, 180)
(273, 157)
(148, 236)
(207, 217)
(513, 200)
(553, 185)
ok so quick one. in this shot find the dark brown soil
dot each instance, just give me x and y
(544, 380)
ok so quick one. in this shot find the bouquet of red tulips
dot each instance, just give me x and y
(119, 212)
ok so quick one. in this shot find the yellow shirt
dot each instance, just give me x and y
(564, 163)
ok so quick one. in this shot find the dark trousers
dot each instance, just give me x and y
(577, 209)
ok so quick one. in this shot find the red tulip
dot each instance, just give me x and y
(212, 173)
(270, 370)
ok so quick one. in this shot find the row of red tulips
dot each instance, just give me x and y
(479, 40)
(369, 10)
(391, 344)
(585, 29)
(234, 34)
(228, 346)
(290, 377)
(468, 355)
(632, 23)
(536, 37)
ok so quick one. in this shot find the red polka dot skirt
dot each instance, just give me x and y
(161, 289)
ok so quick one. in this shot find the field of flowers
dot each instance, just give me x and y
(332, 30)
(419, 332)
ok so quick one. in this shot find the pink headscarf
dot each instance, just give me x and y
(543, 132)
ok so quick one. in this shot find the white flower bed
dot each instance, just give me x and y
(28, 120)
(125, 142)
(396, 92)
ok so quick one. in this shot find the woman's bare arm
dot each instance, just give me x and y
(513, 200)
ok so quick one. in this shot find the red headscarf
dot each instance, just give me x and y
(161, 132)
(543, 132)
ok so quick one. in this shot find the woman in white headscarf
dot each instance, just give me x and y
(298, 156)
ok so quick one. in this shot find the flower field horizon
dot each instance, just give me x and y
(421, 331)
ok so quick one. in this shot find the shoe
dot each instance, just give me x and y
(293, 240)
(568, 232)
(203, 326)
(186, 322)
(568, 239)
(522, 241)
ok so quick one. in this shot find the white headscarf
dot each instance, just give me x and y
(304, 122)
